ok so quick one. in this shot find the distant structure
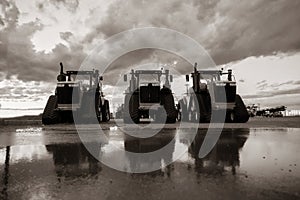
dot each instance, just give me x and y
(272, 112)
(254, 110)
(291, 113)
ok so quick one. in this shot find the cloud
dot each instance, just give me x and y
(18, 56)
(229, 32)
(296, 82)
(71, 5)
(8, 15)
(261, 82)
(263, 85)
(15, 90)
(274, 93)
(142, 57)
(66, 35)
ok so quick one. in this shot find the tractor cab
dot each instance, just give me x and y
(147, 94)
(214, 90)
(71, 86)
(222, 86)
(148, 83)
(77, 93)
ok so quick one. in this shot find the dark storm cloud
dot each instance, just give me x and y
(229, 29)
(18, 56)
(144, 56)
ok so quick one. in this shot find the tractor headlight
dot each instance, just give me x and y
(220, 84)
(60, 85)
(73, 85)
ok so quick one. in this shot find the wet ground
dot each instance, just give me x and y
(38, 162)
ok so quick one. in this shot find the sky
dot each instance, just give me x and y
(258, 39)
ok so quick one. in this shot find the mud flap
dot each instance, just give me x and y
(169, 106)
(50, 115)
(131, 109)
(241, 114)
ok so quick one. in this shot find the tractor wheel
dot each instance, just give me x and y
(204, 102)
(50, 115)
(241, 114)
(169, 106)
(105, 111)
(132, 107)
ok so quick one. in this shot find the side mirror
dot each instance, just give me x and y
(101, 78)
(171, 78)
(125, 77)
(187, 78)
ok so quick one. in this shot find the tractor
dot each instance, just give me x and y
(147, 98)
(77, 94)
(212, 92)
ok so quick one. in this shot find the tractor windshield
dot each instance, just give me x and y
(149, 78)
(83, 80)
(215, 77)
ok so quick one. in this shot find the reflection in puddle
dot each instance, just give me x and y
(29, 131)
(72, 160)
(6, 174)
(239, 153)
(225, 154)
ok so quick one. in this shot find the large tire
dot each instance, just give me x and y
(105, 111)
(131, 109)
(241, 114)
(204, 102)
(202, 107)
(50, 115)
(169, 106)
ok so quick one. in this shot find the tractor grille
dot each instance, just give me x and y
(65, 94)
(230, 92)
(150, 94)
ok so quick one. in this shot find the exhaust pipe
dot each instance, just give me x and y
(61, 68)
(61, 76)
